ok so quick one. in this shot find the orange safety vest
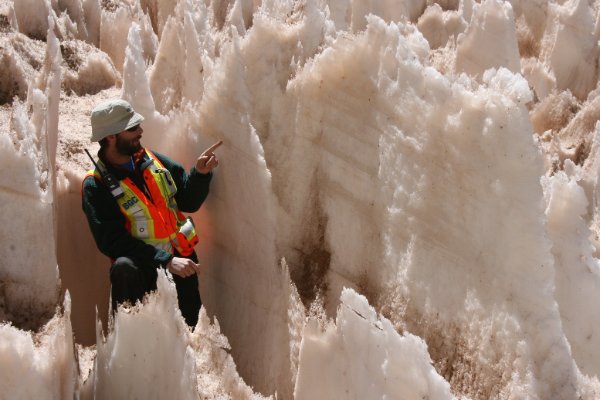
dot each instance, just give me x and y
(155, 220)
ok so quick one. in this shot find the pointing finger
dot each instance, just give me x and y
(213, 147)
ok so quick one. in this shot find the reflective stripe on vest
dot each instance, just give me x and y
(155, 219)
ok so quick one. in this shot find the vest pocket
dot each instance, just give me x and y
(166, 182)
(187, 228)
(140, 228)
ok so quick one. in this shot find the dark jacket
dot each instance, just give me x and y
(107, 223)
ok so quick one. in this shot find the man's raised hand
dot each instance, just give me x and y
(208, 160)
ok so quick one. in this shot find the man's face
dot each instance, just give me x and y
(128, 141)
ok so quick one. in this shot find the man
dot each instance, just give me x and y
(133, 202)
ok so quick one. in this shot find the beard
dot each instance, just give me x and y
(128, 147)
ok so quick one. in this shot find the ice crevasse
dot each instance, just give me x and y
(405, 205)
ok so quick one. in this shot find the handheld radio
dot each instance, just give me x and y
(108, 178)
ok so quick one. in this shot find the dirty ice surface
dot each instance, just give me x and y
(406, 205)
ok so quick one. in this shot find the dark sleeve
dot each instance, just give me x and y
(107, 224)
(192, 187)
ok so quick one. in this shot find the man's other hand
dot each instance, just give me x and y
(183, 267)
(208, 160)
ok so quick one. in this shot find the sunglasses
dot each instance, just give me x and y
(133, 128)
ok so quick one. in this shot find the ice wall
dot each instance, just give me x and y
(362, 356)
(394, 150)
(192, 365)
(28, 268)
(40, 365)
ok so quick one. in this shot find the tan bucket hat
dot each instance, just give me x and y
(111, 117)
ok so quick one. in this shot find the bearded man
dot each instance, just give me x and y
(134, 201)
